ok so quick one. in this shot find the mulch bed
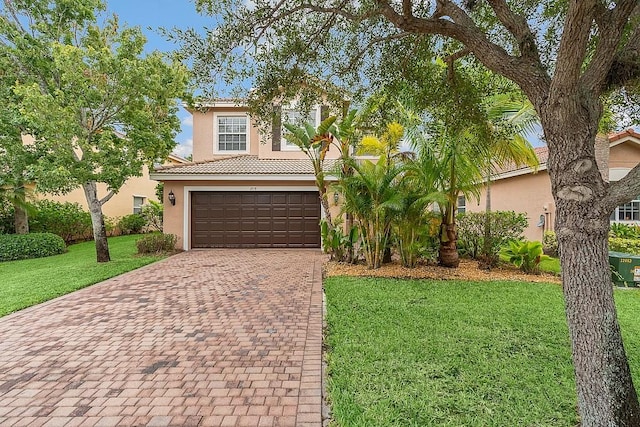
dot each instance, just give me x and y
(468, 270)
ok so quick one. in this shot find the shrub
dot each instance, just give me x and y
(525, 255)
(157, 243)
(550, 243)
(33, 245)
(6, 217)
(110, 226)
(505, 226)
(152, 214)
(131, 224)
(628, 246)
(67, 220)
(624, 231)
(336, 243)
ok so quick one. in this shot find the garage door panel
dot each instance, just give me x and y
(255, 219)
(296, 227)
(279, 198)
(296, 212)
(279, 212)
(263, 212)
(263, 226)
(279, 225)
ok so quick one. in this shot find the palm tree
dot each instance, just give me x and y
(447, 161)
(315, 143)
(508, 121)
(371, 196)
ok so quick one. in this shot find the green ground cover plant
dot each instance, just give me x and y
(455, 353)
(28, 282)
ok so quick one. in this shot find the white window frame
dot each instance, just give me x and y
(616, 212)
(216, 135)
(142, 203)
(462, 208)
(316, 111)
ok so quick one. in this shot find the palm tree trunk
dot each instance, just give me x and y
(487, 260)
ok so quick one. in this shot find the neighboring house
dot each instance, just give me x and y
(245, 188)
(136, 192)
(521, 190)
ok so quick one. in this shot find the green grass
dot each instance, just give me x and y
(450, 353)
(550, 265)
(29, 282)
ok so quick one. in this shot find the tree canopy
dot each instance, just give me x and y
(97, 107)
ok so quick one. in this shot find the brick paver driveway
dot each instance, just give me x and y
(207, 338)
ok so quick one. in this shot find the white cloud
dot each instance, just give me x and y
(187, 121)
(184, 149)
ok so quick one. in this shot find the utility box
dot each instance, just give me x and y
(625, 269)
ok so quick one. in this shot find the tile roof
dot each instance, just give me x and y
(623, 134)
(246, 165)
(541, 152)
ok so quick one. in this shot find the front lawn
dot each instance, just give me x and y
(28, 282)
(455, 353)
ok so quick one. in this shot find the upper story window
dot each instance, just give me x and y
(298, 118)
(232, 134)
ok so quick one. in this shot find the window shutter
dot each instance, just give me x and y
(276, 128)
(324, 112)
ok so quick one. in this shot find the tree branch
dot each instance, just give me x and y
(573, 44)
(519, 28)
(106, 198)
(462, 28)
(622, 191)
(608, 70)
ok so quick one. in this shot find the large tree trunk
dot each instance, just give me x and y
(606, 395)
(97, 220)
(20, 215)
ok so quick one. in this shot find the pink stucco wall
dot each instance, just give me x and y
(529, 194)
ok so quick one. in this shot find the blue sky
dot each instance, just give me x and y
(149, 15)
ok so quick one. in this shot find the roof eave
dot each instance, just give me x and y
(236, 177)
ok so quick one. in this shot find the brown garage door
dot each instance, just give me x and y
(256, 219)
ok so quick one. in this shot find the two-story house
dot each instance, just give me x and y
(244, 188)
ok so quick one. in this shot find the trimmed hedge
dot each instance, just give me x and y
(628, 246)
(33, 245)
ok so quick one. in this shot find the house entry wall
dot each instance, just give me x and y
(255, 219)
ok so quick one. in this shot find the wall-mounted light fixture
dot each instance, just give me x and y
(172, 198)
(336, 198)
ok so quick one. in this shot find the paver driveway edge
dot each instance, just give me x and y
(310, 400)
